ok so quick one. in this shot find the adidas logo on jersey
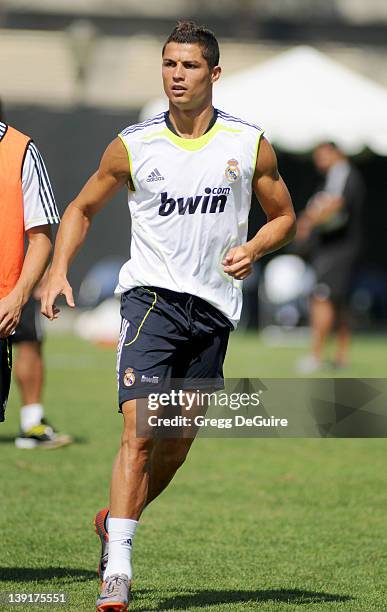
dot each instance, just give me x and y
(154, 176)
(191, 204)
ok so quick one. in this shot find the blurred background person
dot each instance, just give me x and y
(39, 211)
(331, 227)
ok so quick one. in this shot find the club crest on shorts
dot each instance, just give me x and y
(232, 172)
(129, 377)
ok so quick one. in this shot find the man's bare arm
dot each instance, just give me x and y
(321, 208)
(276, 202)
(111, 175)
(35, 262)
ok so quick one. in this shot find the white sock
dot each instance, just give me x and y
(30, 415)
(121, 535)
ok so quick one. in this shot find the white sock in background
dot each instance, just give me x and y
(31, 415)
(121, 536)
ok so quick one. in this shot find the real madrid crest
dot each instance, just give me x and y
(129, 377)
(232, 172)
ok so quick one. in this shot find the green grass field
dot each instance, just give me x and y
(248, 524)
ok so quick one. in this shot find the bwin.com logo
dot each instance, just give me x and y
(192, 204)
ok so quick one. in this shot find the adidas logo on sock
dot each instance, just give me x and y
(127, 542)
(154, 176)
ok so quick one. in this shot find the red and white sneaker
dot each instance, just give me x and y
(115, 594)
(100, 530)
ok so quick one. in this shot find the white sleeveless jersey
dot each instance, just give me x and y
(189, 204)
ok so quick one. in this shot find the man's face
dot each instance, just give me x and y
(325, 157)
(187, 78)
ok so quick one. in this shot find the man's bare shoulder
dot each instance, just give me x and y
(266, 160)
(115, 160)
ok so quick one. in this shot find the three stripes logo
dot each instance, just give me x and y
(154, 176)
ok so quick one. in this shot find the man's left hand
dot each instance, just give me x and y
(238, 262)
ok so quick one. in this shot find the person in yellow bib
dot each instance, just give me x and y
(191, 172)
(27, 207)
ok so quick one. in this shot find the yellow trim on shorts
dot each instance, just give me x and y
(146, 314)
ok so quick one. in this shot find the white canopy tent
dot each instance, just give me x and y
(302, 97)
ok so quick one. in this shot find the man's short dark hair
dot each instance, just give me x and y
(189, 32)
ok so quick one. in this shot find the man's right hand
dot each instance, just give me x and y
(56, 285)
(10, 311)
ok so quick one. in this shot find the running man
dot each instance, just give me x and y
(190, 173)
(26, 206)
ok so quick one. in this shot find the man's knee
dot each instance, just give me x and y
(136, 450)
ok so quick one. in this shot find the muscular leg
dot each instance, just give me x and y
(29, 371)
(322, 320)
(169, 455)
(128, 493)
(130, 479)
(144, 467)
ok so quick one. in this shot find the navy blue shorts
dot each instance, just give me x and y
(168, 336)
(29, 328)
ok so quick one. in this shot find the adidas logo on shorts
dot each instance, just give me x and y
(154, 176)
